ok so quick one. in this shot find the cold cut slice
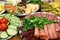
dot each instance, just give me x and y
(36, 32)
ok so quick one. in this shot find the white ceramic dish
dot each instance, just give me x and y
(3, 3)
(24, 14)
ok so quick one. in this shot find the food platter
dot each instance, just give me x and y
(22, 18)
(39, 14)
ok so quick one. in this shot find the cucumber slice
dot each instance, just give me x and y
(13, 17)
(8, 16)
(13, 27)
(11, 22)
(1, 17)
(11, 32)
(4, 35)
(15, 23)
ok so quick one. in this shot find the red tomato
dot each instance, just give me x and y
(3, 27)
(3, 20)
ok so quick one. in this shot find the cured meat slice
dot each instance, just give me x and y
(58, 34)
(37, 14)
(46, 30)
(43, 35)
(52, 32)
(57, 27)
(46, 15)
(36, 33)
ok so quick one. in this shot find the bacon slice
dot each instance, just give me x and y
(36, 33)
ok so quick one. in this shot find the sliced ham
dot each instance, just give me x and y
(37, 14)
(43, 34)
(46, 15)
(57, 27)
(51, 31)
(36, 33)
(50, 16)
(58, 20)
(46, 30)
(52, 26)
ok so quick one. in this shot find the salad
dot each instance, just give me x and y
(8, 24)
(23, 9)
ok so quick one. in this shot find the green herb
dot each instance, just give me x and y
(8, 3)
(35, 2)
(17, 11)
(39, 22)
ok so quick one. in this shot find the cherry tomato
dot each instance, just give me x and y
(3, 20)
(3, 27)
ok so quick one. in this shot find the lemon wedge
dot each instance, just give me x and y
(1, 7)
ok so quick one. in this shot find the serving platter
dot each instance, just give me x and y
(37, 13)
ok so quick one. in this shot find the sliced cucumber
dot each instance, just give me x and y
(4, 35)
(8, 16)
(1, 17)
(13, 17)
(15, 23)
(13, 27)
(11, 32)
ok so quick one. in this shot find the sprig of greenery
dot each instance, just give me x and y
(35, 2)
(40, 22)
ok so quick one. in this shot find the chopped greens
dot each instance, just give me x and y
(39, 21)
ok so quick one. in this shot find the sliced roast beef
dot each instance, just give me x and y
(58, 34)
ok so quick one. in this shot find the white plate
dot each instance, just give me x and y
(3, 3)
(24, 14)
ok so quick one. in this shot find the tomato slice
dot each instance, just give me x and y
(3, 20)
(3, 27)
